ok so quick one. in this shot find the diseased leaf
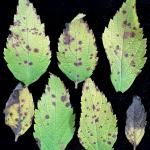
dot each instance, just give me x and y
(19, 110)
(125, 46)
(97, 129)
(27, 52)
(54, 119)
(77, 52)
(136, 122)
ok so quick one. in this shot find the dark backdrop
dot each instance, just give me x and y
(55, 14)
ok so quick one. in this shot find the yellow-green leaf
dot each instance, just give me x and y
(19, 110)
(97, 129)
(77, 52)
(27, 53)
(125, 46)
(136, 122)
(54, 118)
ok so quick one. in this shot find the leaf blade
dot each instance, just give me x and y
(77, 53)
(19, 110)
(54, 119)
(27, 53)
(97, 122)
(135, 122)
(125, 46)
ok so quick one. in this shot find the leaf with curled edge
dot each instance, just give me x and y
(54, 118)
(19, 110)
(77, 52)
(97, 129)
(27, 53)
(125, 46)
(135, 122)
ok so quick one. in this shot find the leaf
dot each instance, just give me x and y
(97, 129)
(77, 52)
(54, 119)
(19, 110)
(125, 46)
(27, 52)
(136, 122)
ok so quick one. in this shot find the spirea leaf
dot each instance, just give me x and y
(77, 52)
(125, 46)
(97, 129)
(54, 118)
(27, 53)
(19, 110)
(136, 122)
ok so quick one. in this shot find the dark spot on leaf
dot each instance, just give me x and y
(118, 72)
(30, 63)
(36, 50)
(134, 28)
(68, 104)
(109, 142)
(63, 98)
(126, 54)
(126, 35)
(132, 34)
(125, 22)
(48, 88)
(93, 107)
(124, 11)
(28, 48)
(109, 134)
(132, 63)
(80, 42)
(46, 116)
(53, 96)
(96, 120)
(25, 62)
(87, 87)
(78, 63)
(54, 103)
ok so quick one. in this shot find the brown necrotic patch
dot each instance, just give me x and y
(67, 37)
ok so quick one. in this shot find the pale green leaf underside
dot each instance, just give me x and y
(77, 53)
(97, 129)
(125, 47)
(27, 53)
(54, 119)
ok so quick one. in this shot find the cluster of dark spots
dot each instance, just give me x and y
(36, 50)
(17, 23)
(34, 31)
(63, 98)
(47, 116)
(67, 37)
(124, 11)
(28, 48)
(91, 56)
(132, 63)
(28, 63)
(127, 35)
(78, 63)
(78, 49)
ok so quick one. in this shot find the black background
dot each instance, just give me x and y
(55, 14)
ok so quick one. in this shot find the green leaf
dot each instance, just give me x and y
(97, 129)
(19, 110)
(77, 52)
(125, 46)
(27, 53)
(136, 122)
(54, 119)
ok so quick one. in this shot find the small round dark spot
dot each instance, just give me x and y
(30, 63)
(80, 42)
(53, 96)
(36, 50)
(46, 116)
(63, 98)
(124, 11)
